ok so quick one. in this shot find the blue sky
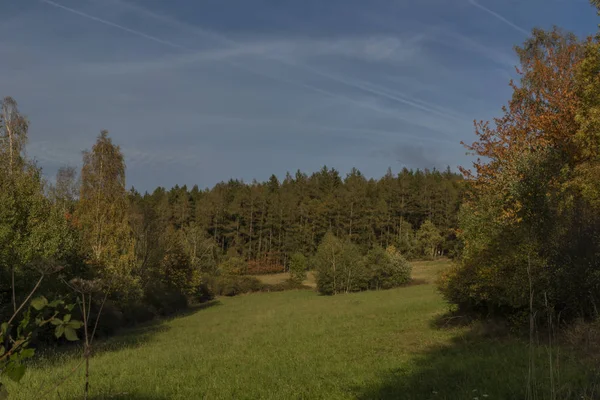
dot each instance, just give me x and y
(196, 92)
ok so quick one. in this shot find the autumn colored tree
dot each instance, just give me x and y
(530, 227)
(102, 212)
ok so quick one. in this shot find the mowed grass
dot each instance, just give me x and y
(300, 345)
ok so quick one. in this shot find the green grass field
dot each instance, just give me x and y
(300, 345)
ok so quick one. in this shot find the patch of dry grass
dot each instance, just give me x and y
(273, 279)
(429, 271)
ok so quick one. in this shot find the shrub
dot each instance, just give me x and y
(429, 239)
(232, 285)
(388, 268)
(135, 313)
(339, 267)
(263, 267)
(164, 299)
(401, 269)
(282, 286)
(233, 266)
(298, 266)
(177, 272)
(204, 292)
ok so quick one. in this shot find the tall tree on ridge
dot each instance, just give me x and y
(103, 212)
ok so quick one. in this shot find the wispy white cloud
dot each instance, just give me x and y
(370, 48)
(386, 48)
(192, 104)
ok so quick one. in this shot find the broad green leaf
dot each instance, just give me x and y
(67, 318)
(15, 371)
(75, 324)
(39, 303)
(27, 353)
(4, 328)
(55, 303)
(69, 307)
(56, 321)
(58, 332)
(70, 334)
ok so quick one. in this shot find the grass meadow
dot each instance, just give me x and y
(300, 345)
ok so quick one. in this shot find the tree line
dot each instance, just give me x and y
(266, 222)
(154, 252)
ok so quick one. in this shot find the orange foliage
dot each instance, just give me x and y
(540, 114)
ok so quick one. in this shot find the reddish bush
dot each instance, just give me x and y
(268, 265)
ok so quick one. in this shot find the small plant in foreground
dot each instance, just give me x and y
(16, 338)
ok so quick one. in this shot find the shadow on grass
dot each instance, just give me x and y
(143, 333)
(129, 337)
(124, 396)
(478, 365)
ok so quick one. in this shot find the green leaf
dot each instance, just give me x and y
(15, 371)
(2, 350)
(55, 303)
(70, 307)
(4, 328)
(27, 353)
(56, 321)
(75, 324)
(58, 332)
(70, 334)
(67, 318)
(39, 303)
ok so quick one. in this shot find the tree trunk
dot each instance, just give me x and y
(351, 216)
(14, 297)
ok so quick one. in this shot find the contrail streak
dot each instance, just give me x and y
(500, 17)
(262, 74)
(199, 31)
(121, 27)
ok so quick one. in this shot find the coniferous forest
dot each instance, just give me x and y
(267, 222)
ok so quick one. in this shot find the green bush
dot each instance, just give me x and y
(233, 266)
(164, 299)
(339, 267)
(233, 285)
(429, 240)
(298, 266)
(282, 286)
(204, 292)
(388, 268)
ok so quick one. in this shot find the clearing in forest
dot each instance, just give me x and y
(301, 345)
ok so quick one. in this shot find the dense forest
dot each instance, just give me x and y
(267, 222)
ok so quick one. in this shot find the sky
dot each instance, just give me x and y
(197, 92)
